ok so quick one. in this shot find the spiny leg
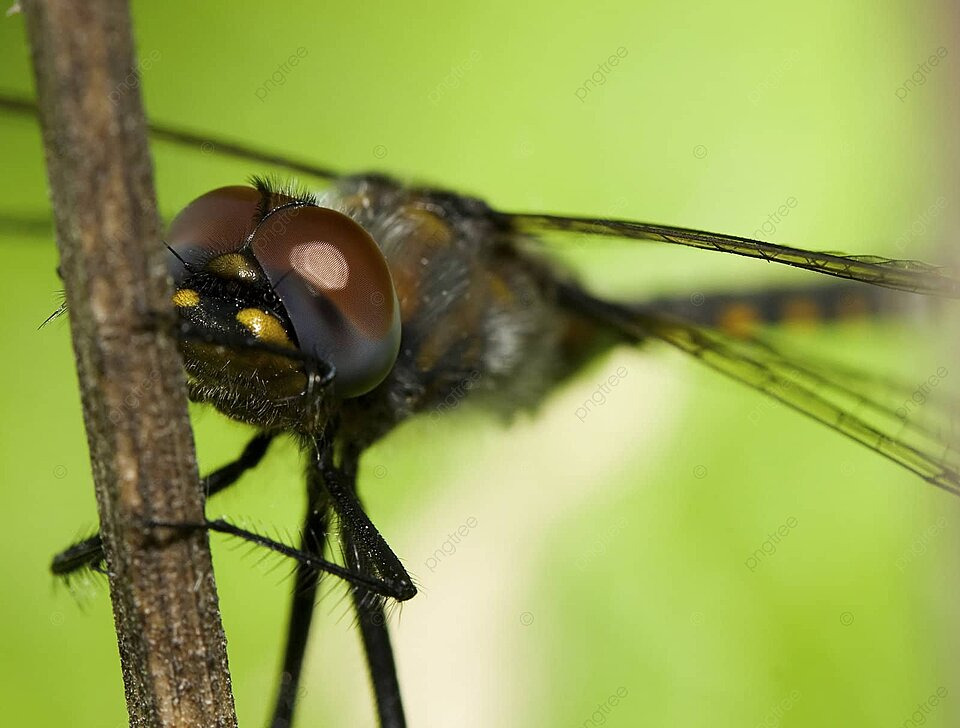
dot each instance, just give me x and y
(89, 551)
(380, 662)
(376, 645)
(230, 473)
(301, 606)
(365, 551)
(369, 558)
(373, 573)
(374, 584)
(369, 591)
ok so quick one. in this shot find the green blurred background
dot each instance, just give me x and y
(608, 554)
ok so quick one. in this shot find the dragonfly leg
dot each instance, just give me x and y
(372, 620)
(88, 553)
(301, 614)
(371, 569)
(367, 554)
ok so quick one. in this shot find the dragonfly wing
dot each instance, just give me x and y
(808, 389)
(205, 143)
(904, 275)
(877, 390)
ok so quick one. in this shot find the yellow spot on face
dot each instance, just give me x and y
(185, 298)
(233, 265)
(264, 327)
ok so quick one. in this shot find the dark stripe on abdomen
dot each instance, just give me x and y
(739, 313)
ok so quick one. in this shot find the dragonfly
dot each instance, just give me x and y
(336, 316)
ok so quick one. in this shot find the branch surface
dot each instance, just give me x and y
(172, 646)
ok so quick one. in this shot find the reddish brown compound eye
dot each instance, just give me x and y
(336, 288)
(216, 222)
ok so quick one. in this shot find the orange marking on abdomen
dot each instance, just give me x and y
(738, 319)
(802, 311)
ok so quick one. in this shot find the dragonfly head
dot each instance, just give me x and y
(259, 273)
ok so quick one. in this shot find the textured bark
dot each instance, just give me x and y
(172, 646)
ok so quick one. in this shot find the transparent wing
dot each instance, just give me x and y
(762, 313)
(879, 390)
(904, 275)
(205, 143)
(827, 398)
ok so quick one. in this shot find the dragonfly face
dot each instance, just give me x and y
(254, 265)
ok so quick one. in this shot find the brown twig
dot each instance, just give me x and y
(172, 647)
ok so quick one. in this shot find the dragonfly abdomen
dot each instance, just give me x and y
(743, 313)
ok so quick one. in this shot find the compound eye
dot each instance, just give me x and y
(215, 223)
(336, 288)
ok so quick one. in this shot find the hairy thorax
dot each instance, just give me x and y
(479, 319)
